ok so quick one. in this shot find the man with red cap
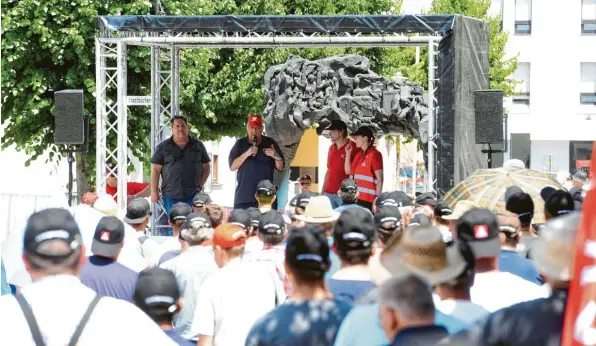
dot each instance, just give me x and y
(255, 157)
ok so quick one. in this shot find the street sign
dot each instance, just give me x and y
(138, 100)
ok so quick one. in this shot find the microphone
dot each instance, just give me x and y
(254, 144)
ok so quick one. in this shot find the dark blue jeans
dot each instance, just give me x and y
(167, 204)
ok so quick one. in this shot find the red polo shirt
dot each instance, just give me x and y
(335, 166)
(133, 189)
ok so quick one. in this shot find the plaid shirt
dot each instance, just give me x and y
(275, 256)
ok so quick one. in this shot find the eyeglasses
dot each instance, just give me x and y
(305, 184)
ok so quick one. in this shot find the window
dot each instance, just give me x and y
(588, 16)
(580, 154)
(523, 16)
(587, 91)
(521, 147)
(522, 74)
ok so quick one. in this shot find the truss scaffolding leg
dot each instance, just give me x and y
(430, 181)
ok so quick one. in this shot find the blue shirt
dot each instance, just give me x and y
(349, 290)
(345, 206)
(177, 338)
(420, 336)
(254, 169)
(510, 261)
(109, 278)
(363, 327)
(310, 322)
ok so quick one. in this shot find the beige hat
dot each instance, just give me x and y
(461, 207)
(422, 251)
(106, 205)
(318, 210)
(554, 251)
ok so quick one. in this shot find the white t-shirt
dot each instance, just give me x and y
(463, 310)
(232, 300)
(496, 290)
(191, 269)
(59, 302)
(149, 249)
(253, 245)
(170, 244)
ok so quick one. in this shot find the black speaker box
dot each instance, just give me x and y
(488, 111)
(69, 128)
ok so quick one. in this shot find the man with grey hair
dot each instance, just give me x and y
(518, 324)
(348, 192)
(407, 311)
(192, 267)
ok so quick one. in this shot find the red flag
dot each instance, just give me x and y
(579, 328)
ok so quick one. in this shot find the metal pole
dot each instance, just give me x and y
(155, 105)
(414, 166)
(175, 80)
(431, 117)
(100, 117)
(122, 127)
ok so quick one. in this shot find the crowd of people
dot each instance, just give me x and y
(349, 266)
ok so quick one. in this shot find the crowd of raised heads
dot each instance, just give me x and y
(411, 271)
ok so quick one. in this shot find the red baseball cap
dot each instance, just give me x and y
(229, 235)
(255, 120)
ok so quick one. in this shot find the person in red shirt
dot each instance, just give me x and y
(338, 133)
(134, 190)
(305, 182)
(366, 168)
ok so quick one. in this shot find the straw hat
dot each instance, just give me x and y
(461, 207)
(318, 210)
(422, 251)
(554, 251)
(106, 205)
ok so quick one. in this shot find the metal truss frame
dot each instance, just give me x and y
(111, 110)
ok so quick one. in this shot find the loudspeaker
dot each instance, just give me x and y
(488, 111)
(69, 125)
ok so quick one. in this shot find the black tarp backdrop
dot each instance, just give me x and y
(462, 68)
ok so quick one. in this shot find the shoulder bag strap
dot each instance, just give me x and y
(83, 322)
(33, 326)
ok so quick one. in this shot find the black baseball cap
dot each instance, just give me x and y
(559, 203)
(156, 292)
(546, 192)
(388, 220)
(307, 250)
(180, 211)
(512, 190)
(442, 208)
(108, 237)
(201, 199)
(420, 220)
(111, 169)
(480, 228)
(197, 216)
(255, 214)
(348, 185)
(521, 204)
(354, 232)
(49, 225)
(364, 131)
(266, 188)
(337, 125)
(137, 211)
(304, 198)
(241, 218)
(394, 198)
(426, 199)
(272, 222)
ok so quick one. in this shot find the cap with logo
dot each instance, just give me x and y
(255, 120)
(266, 188)
(420, 220)
(180, 211)
(272, 222)
(241, 218)
(388, 220)
(255, 215)
(228, 235)
(201, 199)
(394, 198)
(521, 204)
(303, 198)
(49, 225)
(137, 211)
(442, 209)
(348, 185)
(508, 224)
(307, 249)
(559, 203)
(480, 228)
(337, 125)
(354, 232)
(156, 292)
(198, 216)
(108, 237)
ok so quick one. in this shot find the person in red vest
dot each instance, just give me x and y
(366, 168)
(134, 189)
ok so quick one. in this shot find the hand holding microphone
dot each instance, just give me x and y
(254, 148)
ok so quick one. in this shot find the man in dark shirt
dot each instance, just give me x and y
(254, 157)
(101, 272)
(157, 294)
(540, 321)
(183, 163)
(407, 312)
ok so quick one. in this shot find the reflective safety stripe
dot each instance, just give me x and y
(369, 191)
(365, 178)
